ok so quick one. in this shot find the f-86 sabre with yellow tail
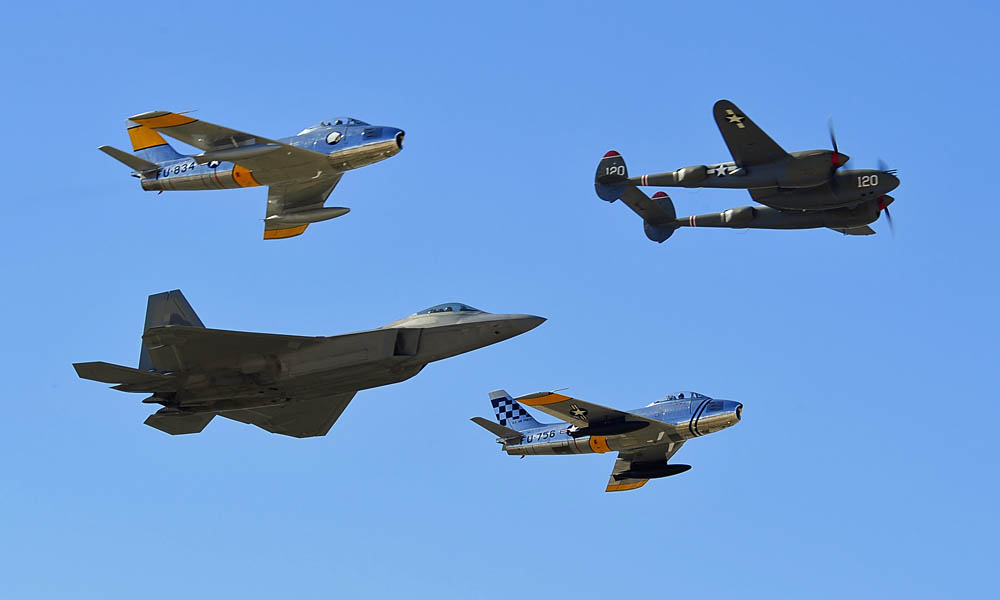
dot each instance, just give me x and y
(645, 438)
(300, 171)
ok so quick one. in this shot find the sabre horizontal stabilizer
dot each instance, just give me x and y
(505, 433)
(138, 164)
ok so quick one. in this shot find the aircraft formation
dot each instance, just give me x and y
(299, 385)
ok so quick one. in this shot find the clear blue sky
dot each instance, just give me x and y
(865, 465)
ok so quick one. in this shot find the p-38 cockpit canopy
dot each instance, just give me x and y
(337, 122)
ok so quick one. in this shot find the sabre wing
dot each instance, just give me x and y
(284, 199)
(270, 160)
(584, 414)
(648, 454)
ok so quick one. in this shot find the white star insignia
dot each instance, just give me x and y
(735, 118)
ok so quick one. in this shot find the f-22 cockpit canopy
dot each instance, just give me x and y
(337, 122)
(447, 308)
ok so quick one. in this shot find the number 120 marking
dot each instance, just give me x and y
(867, 180)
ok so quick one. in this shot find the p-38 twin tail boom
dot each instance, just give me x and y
(300, 171)
(799, 190)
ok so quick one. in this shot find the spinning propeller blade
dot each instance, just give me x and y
(883, 206)
(836, 158)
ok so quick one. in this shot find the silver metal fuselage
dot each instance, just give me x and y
(691, 418)
(187, 173)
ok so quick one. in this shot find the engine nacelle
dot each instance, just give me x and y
(739, 217)
(692, 176)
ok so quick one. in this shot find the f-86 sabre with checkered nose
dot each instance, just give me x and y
(645, 438)
(799, 190)
(300, 171)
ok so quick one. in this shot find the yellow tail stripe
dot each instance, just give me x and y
(144, 137)
(277, 234)
(546, 399)
(167, 120)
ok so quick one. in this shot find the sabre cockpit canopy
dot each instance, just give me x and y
(680, 396)
(337, 122)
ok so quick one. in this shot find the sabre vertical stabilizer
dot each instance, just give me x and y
(510, 414)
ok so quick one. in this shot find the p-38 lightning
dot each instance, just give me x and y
(300, 171)
(287, 384)
(645, 438)
(799, 190)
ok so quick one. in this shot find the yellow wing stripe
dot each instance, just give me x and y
(167, 120)
(543, 399)
(144, 137)
(278, 234)
(624, 487)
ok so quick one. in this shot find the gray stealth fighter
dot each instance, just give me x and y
(799, 190)
(287, 384)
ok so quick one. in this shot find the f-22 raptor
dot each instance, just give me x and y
(300, 171)
(799, 190)
(287, 384)
(645, 438)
